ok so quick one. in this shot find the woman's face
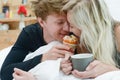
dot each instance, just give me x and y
(73, 28)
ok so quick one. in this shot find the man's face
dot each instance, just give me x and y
(55, 27)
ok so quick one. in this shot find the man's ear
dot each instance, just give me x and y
(41, 21)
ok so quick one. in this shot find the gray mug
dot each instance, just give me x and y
(81, 61)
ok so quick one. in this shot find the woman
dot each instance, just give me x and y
(99, 35)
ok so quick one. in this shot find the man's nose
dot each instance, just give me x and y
(66, 27)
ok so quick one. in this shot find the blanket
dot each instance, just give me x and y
(50, 69)
(3, 54)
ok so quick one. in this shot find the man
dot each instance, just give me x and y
(52, 25)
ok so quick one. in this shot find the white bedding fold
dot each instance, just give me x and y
(50, 69)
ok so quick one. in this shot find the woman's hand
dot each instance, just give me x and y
(22, 75)
(56, 52)
(94, 69)
(66, 65)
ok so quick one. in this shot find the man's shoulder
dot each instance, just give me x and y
(33, 28)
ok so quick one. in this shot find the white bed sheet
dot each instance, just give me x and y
(3, 54)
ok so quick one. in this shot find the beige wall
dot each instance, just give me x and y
(0, 6)
(8, 38)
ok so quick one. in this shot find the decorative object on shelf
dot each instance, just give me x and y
(4, 26)
(5, 10)
(22, 12)
(2, 15)
(21, 23)
(24, 2)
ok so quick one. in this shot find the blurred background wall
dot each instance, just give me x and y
(114, 8)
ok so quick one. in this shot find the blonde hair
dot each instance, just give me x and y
(96, 24)
(43, 8)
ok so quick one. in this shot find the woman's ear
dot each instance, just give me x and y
(41, 21)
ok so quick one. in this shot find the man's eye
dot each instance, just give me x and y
(60, 22)
(71, 26)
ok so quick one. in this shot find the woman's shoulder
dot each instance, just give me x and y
(117, 26)
(117, 34)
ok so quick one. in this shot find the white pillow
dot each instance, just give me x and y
(114, 75)
(3, 54)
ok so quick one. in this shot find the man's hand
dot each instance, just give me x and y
(56, 52)
(22, 75)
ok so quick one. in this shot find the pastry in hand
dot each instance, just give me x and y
(71, 40)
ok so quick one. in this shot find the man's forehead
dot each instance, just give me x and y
(57, 17)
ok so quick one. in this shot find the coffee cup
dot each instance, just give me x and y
(81, 61)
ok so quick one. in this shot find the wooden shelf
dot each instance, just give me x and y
(14, 22)
(7, 20)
